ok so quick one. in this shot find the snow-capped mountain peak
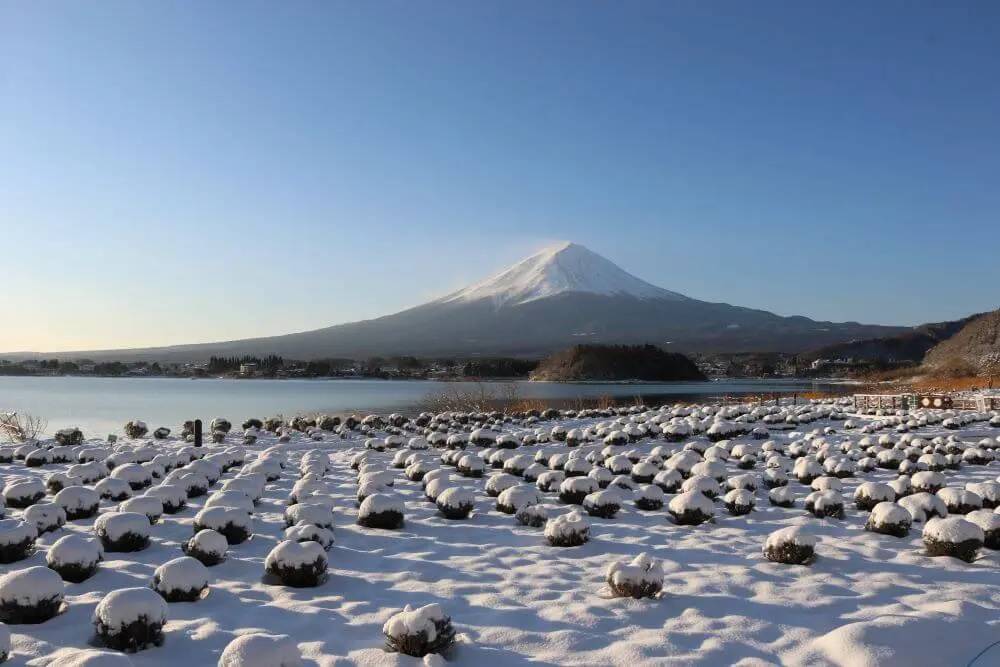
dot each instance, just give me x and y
(566, 267)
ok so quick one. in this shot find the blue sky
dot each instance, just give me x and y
(186, 172)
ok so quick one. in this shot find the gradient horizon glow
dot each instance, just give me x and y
(180, 173)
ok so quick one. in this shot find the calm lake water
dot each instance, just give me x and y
(102, 405)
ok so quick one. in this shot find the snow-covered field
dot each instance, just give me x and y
(865, 599)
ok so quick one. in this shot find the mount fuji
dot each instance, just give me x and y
(561, 296)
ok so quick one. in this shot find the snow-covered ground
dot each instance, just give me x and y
(866, 599)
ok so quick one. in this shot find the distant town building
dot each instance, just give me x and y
(248, 369)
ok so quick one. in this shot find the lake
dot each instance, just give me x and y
(100, 406)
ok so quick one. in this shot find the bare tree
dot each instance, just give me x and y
(21, 427)
(989, 367)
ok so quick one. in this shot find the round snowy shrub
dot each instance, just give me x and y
(888, 518)
(603, 504)
(642, 577)
(208, 546)
(74, 558)
(953, 536)
(173, 497)
(568, 530)
(46, 517)
(782, 496)
(823, 504)
(988, 491)
(307, 532)
(924, 506)
(122, 531)
(959, 501)
(381, 510)
(455, 503)
(669, 480)
(419, 632)
(989, 521)
(231, 498)
(573, 490)
(297, 564)
(791, 546)
(470, 465)
(315, 513)
(739, 501)
(550, 480)
(516, 497)
(134, 474)
(870, 494)
(130, 619)
(183, 579)
(110, 488)
(151, 506)
(497, 484)
(649, 497)
(691, 508)
(78, 502)
(17, 540)
(23, 491)
(533, 516)
(232, 522)
(30, 595)
(261, 650)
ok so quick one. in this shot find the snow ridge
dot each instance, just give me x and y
(566, 267)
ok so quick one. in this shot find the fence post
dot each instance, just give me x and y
(197, 433)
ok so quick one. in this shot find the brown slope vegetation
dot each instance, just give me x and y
(962, 353)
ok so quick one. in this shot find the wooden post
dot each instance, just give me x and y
(197, 433)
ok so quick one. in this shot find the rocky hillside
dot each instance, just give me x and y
(616, 363)
(961, 354)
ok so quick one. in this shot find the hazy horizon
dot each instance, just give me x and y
(260, 169)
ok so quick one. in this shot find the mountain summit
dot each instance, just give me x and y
(566, 267)
(562, 296)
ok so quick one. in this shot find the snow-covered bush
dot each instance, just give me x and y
(573, 490)
(516, 497)
(17, 540)
(307, 532)
(959, 501)
(927, 481)
(888, 518)
(74, 558)
(21, 492)
(235, 524)
(739, 501)
(669, 480)
(173, 497)
(113, 489)
(297, 564)
(136, 429)
(315, 513)
(533, 516)
(649, 497)
(953, 536)
(782, 496)
(603, 504)
(989, 521)
(823, 504)
(704, 484)
(924, 506)
(455, 503)
(46, 517)
(208, 546)
(381, 510)
(497, 484)
(261, 650)
(122, 531)
(78, 502)
(151, 506)
(642, 577)
(137, 477)
(419, 632)
(69, 436)
(130, 619)
(568, 530)
(988, 491)
(30, 595)
(183, 579)
(870, 494)
(791, 546)
(691, 508)
(550, 481)
(470, 465)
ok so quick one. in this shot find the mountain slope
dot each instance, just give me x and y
(560, 297)
(963, 352)
(910, 345)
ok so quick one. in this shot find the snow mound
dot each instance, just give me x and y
(261, 650)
